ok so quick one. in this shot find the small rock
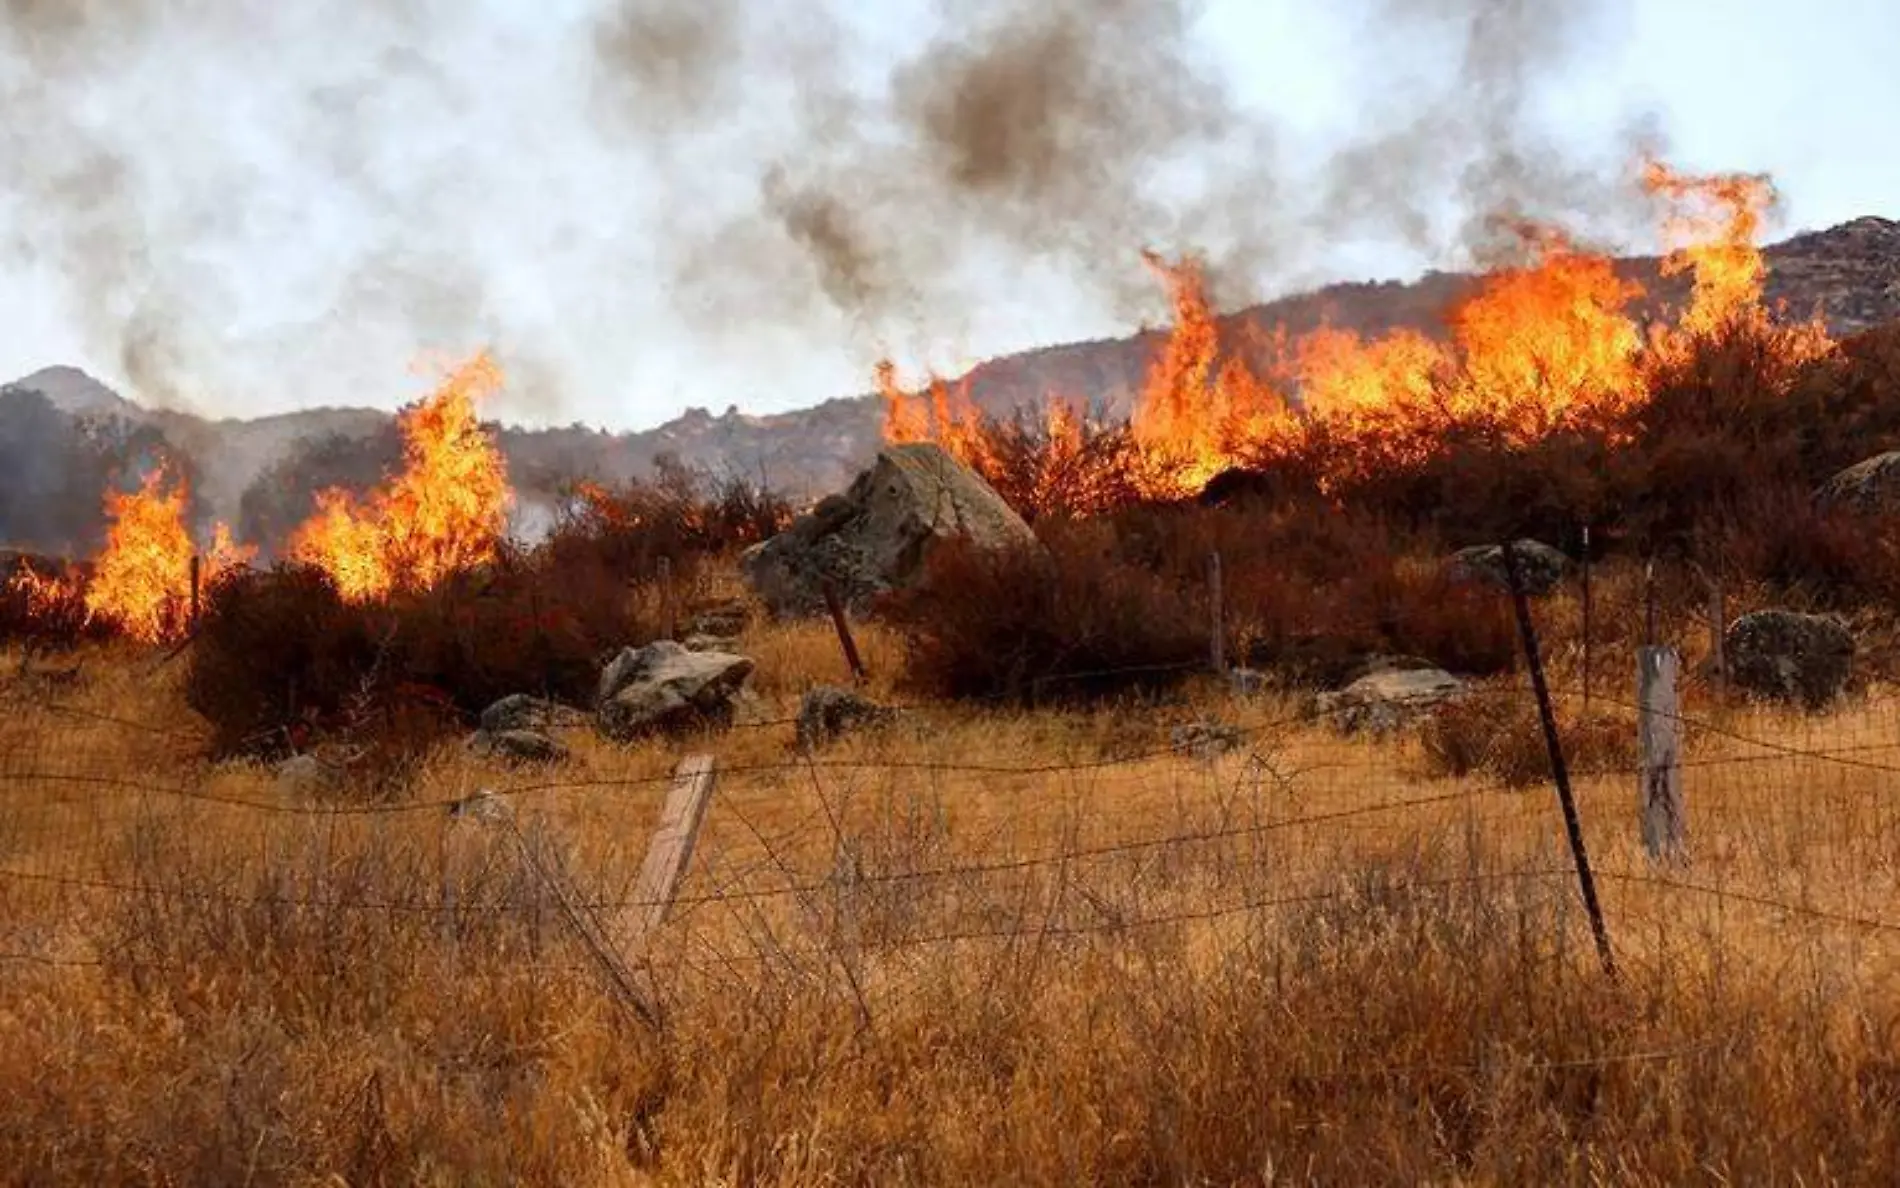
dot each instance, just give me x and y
(484, 806)
(518, 711)
(1207, 740)
(304, 773)
(662, 686)
(726, 621)
(1543, 567)
(1383, 702)
(1786, 656)
(518, 746)
(1869, 486)
(828, 713)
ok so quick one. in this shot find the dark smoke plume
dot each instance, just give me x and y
(1071, 133)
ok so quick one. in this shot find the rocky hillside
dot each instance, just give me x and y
(1849, 274)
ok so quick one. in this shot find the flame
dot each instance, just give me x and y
(1546, 347)
(1200, 400)
(1711, 225)
(444, 513)
(47, 597)
(142, 581)
(940, 413)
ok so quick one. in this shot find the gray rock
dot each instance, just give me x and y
(876, 536)
(484, 807)
(1207, 740)
(828, 713)
(1786, 656)
(519, 746)
(662, 686)
(518, 711)
(1869, 486)
(1543, 567)
(725, 621)
(305, 773)
(1383, 702)
(701, 642)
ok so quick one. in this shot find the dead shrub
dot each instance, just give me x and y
(1075, 623)
(1497, 732)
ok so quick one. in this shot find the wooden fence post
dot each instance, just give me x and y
(1217, 616)
(1659, 786)
(835, 605)
(669, 852)
(1560, 773)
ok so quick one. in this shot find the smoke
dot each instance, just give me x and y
(1071, 133)
(238, 206)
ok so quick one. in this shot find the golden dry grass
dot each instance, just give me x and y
(974, 947)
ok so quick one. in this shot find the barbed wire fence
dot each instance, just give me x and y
(118, 845)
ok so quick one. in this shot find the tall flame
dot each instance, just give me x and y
(444, 513)
(142, 581)
(1200, 399)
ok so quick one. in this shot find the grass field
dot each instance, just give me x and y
(972, 947)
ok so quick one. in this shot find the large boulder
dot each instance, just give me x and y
(663, 686)
(1791, 657)
(874, 537)
(1382, 702)
(1869, 486)
(1543, 567)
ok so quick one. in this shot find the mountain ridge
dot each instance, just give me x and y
(1848, 274)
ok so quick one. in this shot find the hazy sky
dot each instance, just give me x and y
(641, 205)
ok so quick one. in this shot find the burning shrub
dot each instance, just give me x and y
(43, 603)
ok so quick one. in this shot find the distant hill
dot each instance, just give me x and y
(1849, 274)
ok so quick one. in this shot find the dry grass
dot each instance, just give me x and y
(972, 948)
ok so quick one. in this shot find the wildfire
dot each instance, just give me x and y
(444, 513)
(1538, 349)
(1200, 399)
(941, 414)
(142, 581)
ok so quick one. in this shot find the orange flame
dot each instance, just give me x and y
(443, 514)
(1200, 401)
(142, 580)
(1711, 225)
(1547, 347)
(941, 414)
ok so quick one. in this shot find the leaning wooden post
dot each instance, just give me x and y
(1560, 773)
(835, 605)
(1659, 776)
(1217, 619)
(197, 565)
